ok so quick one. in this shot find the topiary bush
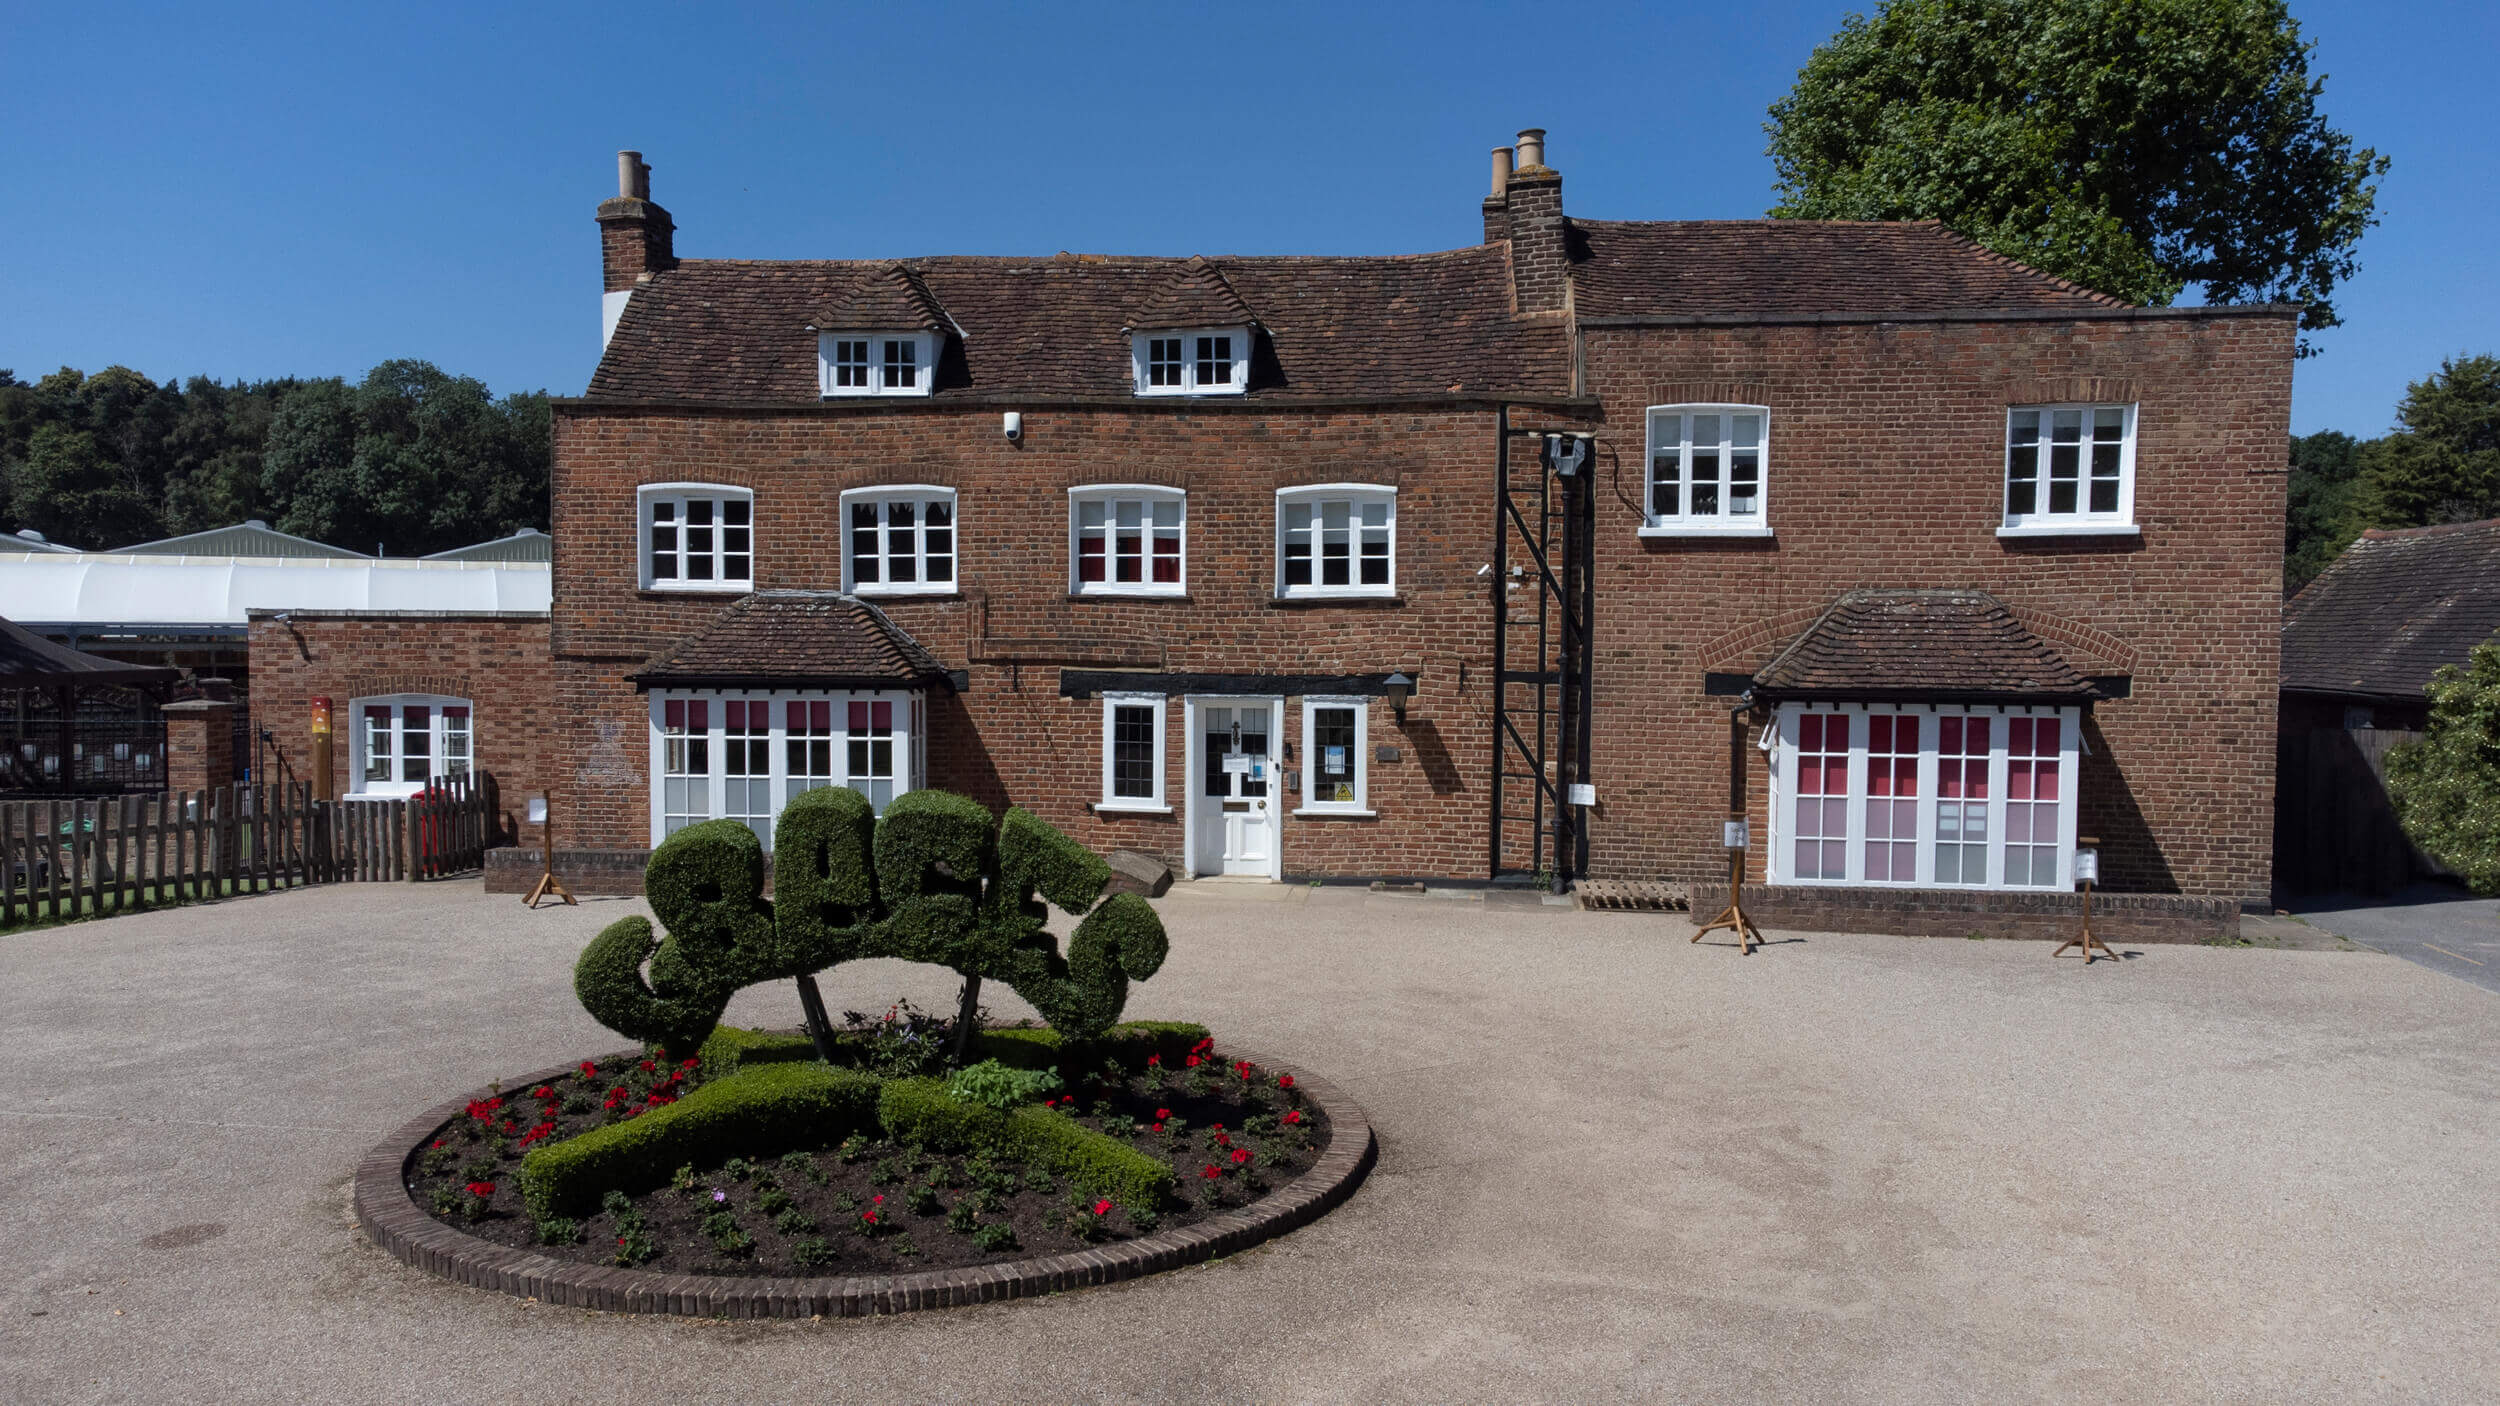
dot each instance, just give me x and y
(933, 881)
(920, 1112)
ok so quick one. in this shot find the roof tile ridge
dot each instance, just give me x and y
(1992, 256)
(1803, 636)
(2432, 529)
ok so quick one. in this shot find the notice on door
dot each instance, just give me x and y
(1237, 766)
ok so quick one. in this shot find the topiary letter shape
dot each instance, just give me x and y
(934, 881)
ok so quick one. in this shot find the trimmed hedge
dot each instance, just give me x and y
(762, 1110)
(921, 1112)
(1129, 1042)
(731, 1049)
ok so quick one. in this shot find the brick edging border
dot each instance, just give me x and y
(394, 1221)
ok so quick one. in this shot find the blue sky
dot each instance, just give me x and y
(257, 192)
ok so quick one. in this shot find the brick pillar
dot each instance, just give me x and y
(199, 744)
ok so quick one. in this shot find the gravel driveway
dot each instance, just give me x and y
(1614, 1166)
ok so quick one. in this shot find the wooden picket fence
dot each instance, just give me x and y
(115, 854)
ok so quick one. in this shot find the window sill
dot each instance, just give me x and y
(890, 593)
(1687, 529)
(1391, 601)
(1128, 808)
(917, 393)
(727, 588)
(1181, 596)
(1332, 813)
(1186, 392)
(2071, 529)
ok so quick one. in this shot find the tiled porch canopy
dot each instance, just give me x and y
(794, 640)
(1923, 646)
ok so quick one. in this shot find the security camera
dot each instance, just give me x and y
(1014, 426)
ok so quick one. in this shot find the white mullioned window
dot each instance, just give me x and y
(898, 540)
(403, 741)
(1708, 470)
(1195, 361)
(1335, 740)
(1132, 752)
(875, 363)
(1906, 795)
(744, 756)
(1336, 539)
(1127, 540)
(2069, 469)
(697, 537)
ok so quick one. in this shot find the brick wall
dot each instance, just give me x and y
(499, 662)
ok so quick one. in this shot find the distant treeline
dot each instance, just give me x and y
(2440, 464)
(409, 460)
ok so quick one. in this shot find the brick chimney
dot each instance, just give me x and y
(636, 237)
(1531, 218)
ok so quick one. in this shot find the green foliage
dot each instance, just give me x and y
(2326, 467)
(2447, 786)
(410, 458)
(2134, 146)
(763, 1111)
(932, 882)
(920, 1112)
(994, 1237)
(997, 1086)
(2443, 462)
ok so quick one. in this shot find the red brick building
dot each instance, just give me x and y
(1242, 561)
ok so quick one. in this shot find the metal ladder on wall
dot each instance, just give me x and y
(1544, 602)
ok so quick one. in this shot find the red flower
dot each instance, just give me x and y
(1204, 1045)
(1219, 1127)
(648, 1066)
(589, 1069)
(880, 1200)
(689, 1064)
(1163, 1113)
(1158, 1128)
(1240, 1155)
(1102, 1208)
(1193, 1061)
(868, 1217)
(438, 1142)
(1210, 1172)
(1154, 1059)
(1284, 1081)
(481, 1189)
(1294, 1116)
(1223, 1139)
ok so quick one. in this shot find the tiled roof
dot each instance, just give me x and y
(795, 639)
(2392, 609)
(1801, 268)
(1418, 324)
(1920, 644)
(892, 299)
(1196, 295)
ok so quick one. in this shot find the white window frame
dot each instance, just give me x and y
(1315, 496)
(920, 495)
(679, 495)
(829, 364)
(1110, 495)
(1140, 361)
(2082, 522)
(1724, 523)
(360, 742)
(1781, 864)
(909, 751)
(1361, 757)
(1159, 803)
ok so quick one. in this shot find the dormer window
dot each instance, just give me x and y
(876, 363)
(1197, 361)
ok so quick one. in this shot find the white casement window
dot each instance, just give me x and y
(898, 541)
(1927, 796)
(1708, 470)
(875, 363)
(1132, 753)
(2069, 470)
(403, 741)
(744, 756)
(1335, 739)
(1127, 540)
(1336, 539)
(1199, 361)
(697, 537)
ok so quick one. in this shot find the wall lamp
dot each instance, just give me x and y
(1397, 688)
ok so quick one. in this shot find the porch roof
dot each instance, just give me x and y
(28, 660)
(796, 639)
(1938, 646)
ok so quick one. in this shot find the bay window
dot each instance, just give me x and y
(403, 741)
(1126, 540)
(697, 537)
(744, 756)
(1337, 539)
(2069, 469)
(1707, 470)
(898, 541)
(1943, 795)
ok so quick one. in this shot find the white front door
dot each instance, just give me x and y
(1232, 797)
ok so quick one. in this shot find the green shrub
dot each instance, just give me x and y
(812, 1253)
(995, 1237)
(731, 1049)
(762, 1111)
(1129, 1043)
(2447, 786)
(997, 1086)
(921, 1112)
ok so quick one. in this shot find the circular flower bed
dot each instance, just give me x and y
(997, 1181)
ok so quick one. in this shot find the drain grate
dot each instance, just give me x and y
(1632, 895)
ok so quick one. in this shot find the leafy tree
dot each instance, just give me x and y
(2447, 786)
(2137, 147)
(2443, 462)
(68, 489)
(2326, 467)
(412, 457)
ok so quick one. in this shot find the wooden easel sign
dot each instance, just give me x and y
(548, 885)
(2087, 873)
(1738, 837)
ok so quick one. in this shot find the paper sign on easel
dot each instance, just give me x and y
(1738, 834)
(2087, 866)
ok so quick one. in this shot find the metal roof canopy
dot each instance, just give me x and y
(28, 660)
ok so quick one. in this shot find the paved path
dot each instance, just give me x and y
(2439, 926)
(1614, 1166)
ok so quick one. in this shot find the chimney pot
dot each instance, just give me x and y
(1531, 147)
(633, 178)
(1501, 171)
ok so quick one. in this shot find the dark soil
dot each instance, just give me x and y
(819, 1198)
